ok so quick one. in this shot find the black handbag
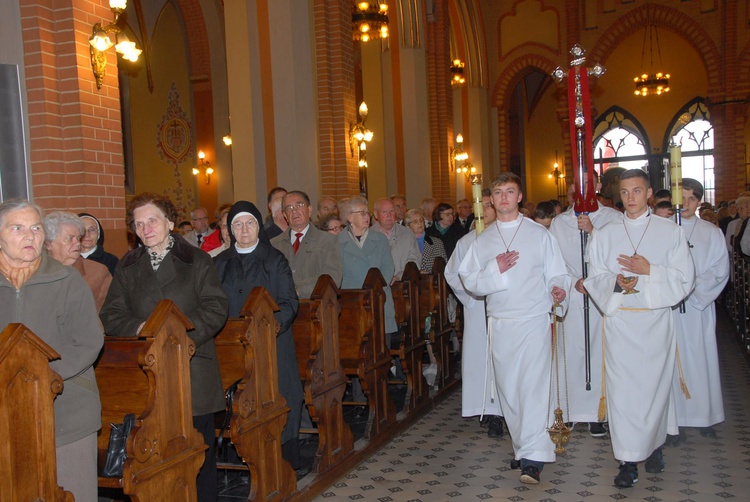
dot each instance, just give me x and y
(116, 453)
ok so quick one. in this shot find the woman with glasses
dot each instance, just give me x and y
(92, 243)
(430, 246)
(332, 224)
(250, 262)
(168, 267)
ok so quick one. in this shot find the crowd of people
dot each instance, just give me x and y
(643, 270)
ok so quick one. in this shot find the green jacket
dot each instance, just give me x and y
(58, 306)
(187, 277)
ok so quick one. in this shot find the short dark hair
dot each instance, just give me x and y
(663, 204)
(443, 206)
(273, 191)
(694, 185)
(505, 178)
(544, 210)
(294, 192)
(164, 204)
(183, 223)
(486, 192)
(636, 173)
(555, 203)
(327, 219)
(662, 192)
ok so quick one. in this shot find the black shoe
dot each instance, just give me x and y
(676, 440)
(707, 432)
(655, 462)
(484, 420)
(303, 471)
(597, 430)
(515, 464)
(530, 475)
(495, 427)
(628, 475)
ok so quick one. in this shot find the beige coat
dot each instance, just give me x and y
(96, 276)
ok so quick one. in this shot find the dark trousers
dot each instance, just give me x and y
(208, 481)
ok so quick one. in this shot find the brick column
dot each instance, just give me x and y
(75, 129)
(337, 109)
(441, 102)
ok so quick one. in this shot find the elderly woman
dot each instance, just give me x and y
(442, 227)
(92, 243)
(55, 303)
(63, 232)
(249, 262)
(223, 234)
(431, 247)
(331, 224)
(167, 267)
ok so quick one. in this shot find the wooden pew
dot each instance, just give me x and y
(363, 349)
(28, 387)
(316, 340)
(150, 376)
(246, 349)
(442, 326)
(411, 350)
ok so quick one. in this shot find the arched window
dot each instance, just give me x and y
(619, 141)
(692, 129)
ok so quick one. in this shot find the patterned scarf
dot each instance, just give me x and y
(157, 258)
(18, 276)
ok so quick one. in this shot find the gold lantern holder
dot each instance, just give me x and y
(559, 433)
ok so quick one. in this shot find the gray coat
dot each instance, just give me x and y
(187, 277)
(57, 305)
(318, 254)
(404, 248)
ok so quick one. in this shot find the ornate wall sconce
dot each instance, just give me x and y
(100, 42)
(203, 166)
(457, 73)
(359, 136)
(559, 176)
(227, 140)
(468, 170)
(457, 154)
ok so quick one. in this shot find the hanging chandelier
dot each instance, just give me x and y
(370, 20)
(457, 72)
(652, 82)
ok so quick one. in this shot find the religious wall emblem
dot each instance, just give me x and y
(173, 135)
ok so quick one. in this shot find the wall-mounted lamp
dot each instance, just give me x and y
(100, 42)
(559, 176)
(457, 154)
(204, 166)
(359, 136)
(468, 170)
(227, 140)
(457, 72)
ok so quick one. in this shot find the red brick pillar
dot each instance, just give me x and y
(441, 102)
(337, 108)
(75, 129)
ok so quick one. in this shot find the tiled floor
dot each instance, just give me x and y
(446, 457)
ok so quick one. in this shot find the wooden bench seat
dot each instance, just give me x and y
(363, 349)
(316, 340)
(246, 349)
(150, 376)
(28, 387)
(413, 343)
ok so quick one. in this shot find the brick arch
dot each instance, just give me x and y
(668, 18)
(197, 37)
(514, 72)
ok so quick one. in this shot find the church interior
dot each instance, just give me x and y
(226, 99)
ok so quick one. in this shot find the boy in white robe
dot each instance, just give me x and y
(639, 269)
(476, 377)
(583, 404)
(696, 327)
(517, 265)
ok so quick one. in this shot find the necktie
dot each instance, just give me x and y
(200, 238)
(295, 246)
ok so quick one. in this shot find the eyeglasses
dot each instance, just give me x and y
(337, 229)
(291, 207)
(362, 212)
(92, 230)
(71, 238)
(200, 219)
(249, 224)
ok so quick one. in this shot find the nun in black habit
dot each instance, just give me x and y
(251, 261)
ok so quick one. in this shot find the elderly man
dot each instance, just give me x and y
(309, 251)
(464, 217)
(404, 247)
(427, 206)
(275, 223)
(201, 230)
(326, 206)
(399, 204)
